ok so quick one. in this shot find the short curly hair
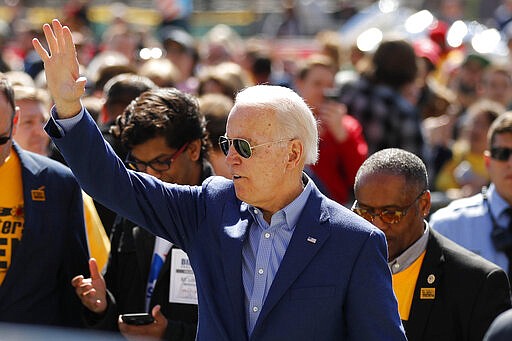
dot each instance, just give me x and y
(165, 112)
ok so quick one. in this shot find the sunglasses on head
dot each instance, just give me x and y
(501, 153)
(160, 164)
(388, 216)
(242, 147)
(5, 139)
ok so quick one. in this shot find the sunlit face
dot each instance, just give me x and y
(500, 172)
(6, 125)
(184, 168)
(258, 179)
(30, 134)
(385, 191)
(313, 86)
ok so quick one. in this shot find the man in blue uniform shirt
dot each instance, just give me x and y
(482, 223)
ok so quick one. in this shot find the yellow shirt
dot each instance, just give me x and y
(12, 219)
(404, 283)
(97, 239)
(446, 178)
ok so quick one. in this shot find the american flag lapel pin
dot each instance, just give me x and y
(311, 240)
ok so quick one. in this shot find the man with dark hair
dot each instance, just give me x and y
(444, 291)
(375, 100)
(42, 237)
(165, 135)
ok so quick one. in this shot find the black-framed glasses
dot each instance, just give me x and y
(501, 153)
(160, 164)
(388, 216)
(242, 147)
(5, 139)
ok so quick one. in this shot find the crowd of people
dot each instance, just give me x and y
(232, 194)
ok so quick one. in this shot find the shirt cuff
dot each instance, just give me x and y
(66, 124)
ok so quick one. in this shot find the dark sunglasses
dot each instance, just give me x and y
(160, 165)
(5, 139)
(242, 147)
(388, 216)
(501, 153)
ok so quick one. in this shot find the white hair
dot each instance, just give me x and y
(295, 118)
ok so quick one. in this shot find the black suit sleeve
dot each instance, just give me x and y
(493, 298)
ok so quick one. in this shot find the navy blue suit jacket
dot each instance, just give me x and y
(53, 249)
(335, 288)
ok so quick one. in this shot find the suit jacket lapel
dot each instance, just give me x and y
(430, 274)
(231, 246)
(308, 238)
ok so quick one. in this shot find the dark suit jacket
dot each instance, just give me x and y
(53, 249)
(333, 282)
(469, 293)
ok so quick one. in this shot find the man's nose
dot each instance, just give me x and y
(232, 157)
(377, 221)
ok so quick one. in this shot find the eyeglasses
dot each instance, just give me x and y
(388, 216)
(160, 164)
(501, 153)
(242, 147)
(5, 139)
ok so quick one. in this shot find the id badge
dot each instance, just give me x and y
(182, 288)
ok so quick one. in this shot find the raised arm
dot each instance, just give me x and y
(61, 69)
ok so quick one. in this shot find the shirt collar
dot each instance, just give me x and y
(412, 253)
(497, 204)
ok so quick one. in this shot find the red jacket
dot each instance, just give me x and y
(338, 162)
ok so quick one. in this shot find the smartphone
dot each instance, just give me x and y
(137, 319)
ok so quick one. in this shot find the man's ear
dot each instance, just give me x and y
(487, 159)
(194, 150)
(426, 203)
(295, 153)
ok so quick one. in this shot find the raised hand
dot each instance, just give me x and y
(61, 69)
(92, 291)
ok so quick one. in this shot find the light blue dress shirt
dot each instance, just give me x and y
(468, 223)
(264, 250)
(66, 124)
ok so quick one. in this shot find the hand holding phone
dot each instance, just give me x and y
(137, 319)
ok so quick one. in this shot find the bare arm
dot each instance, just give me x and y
(61, 69)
